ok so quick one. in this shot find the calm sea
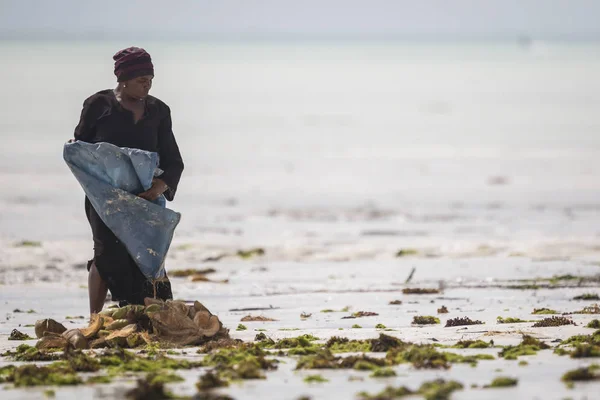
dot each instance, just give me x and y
(498, 137)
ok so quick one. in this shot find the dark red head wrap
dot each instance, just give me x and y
(131, 63)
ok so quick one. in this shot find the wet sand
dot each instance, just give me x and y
(474, 281)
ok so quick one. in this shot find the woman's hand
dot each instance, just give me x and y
(158, 187)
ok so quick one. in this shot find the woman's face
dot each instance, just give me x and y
(139, 87)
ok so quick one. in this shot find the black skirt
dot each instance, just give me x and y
(124, 279)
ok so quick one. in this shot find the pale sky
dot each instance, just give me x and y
(247, 18)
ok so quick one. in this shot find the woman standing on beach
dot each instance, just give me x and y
(128, 116)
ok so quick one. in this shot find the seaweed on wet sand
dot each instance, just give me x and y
(315, 379)
(425, 320)
(510, 320)
(582, 374)
(148, 389)
(245, 254)
(473, 344)
(461, 322)
(594, 324)
(502, 381)
(438, 389)
(553, 321)
(420, 291)
(241, 327)
(388, 393)
(356, 326)
(338, 344)
(383, 373)
(585, 350)
(541, 311)
(324, 359)
(245, 362)
(179, 273)
(395, 302)
(528, 346)
(305, 315)
(33, 375)
(406, 252)
(24, 352)
(360, 314)
(17, 335)
(442, 310)
(420, 356)
(253, 318)
(587, 296)
(210, 380)
(380, 326)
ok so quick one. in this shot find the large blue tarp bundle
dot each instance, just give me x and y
(112, 177)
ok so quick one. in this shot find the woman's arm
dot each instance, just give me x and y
(170, 157)
(86, 128)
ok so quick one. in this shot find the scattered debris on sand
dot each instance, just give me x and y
(420, 291)
(461, 322)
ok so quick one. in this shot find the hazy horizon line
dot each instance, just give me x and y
(275, 37)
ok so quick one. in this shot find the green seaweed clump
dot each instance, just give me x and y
(470, 359)
(395, 302)
(442, 310)
(325, 359)
(582, 374)
(245, 254)
(529, 346)
(585, 350)
(502, 381)
(380, 326)
(180, 273)
(439, 389)
(542, 311)
(52, 375)
(28, 243)
(473, 344)
(17, 335)
(99, 379)
(149, 388)
(6, 372)
(387, 393)
(315, 379)
(338, 344)
(461, 322)
(210, 380)
(245, 362)
(587, 296)
(553, 321)
(594, 324)
(385, 342)
(406, 252)
(356, 326)
(425, 320)
(420, 356)
(510, 320)
(383, 373)
(300, 346)
(241, 327)
(420, 291)
(27, 353)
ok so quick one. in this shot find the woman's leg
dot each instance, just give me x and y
(97, 290)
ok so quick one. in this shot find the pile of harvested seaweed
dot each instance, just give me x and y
(170, 323)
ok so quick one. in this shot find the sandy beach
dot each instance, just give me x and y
(333, 159)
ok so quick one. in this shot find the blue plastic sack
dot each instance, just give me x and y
(112, 177)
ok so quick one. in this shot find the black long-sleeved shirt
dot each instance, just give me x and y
(104, 119)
